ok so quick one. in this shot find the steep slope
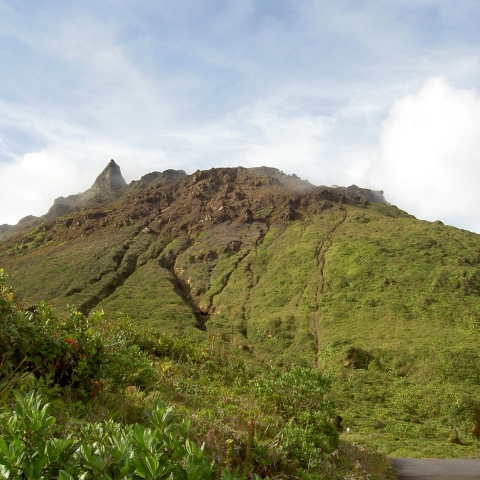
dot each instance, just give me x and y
(289, 273)
(196, 229)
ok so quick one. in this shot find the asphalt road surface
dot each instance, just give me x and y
(433, 468)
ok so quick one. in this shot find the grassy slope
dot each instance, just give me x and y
(147, 295)
(272, 298)
(406, 293)
(399, 294)
(386, 304)
(56, 270)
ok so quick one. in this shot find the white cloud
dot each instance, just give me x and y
(430, 154)
(424, 155)
(29, 185)
(259, 134)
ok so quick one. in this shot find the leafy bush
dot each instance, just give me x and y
(32, 447)
(70, 360)
(307, 435)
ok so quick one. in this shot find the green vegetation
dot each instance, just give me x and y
(383, 306)
(400, 334)
(386, 306)
(86, 398)
(32, 446)
(153, 288)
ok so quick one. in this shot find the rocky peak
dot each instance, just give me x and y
(109, 180)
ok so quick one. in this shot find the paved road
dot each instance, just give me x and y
(433, 468)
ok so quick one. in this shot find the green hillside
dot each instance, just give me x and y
(285, 274)
(84, 397)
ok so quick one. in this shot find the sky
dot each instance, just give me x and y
(383, 94)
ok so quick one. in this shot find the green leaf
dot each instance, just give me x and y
(4, 450)
(152, 464)
(141, 468)
(42, 459)
(63, 475)
(85, 452)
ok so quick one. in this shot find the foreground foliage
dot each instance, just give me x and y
(33, 447)
(86, 398)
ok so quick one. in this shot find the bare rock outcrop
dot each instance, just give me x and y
(110, 180)
(107, 183)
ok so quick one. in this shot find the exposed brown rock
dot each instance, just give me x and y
(173, 203)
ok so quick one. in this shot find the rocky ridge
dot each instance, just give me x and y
(237, 184)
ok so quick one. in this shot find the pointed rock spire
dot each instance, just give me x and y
(109, 180)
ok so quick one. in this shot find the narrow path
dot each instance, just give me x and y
(435, 468)
(322, 250)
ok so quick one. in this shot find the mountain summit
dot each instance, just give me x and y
(235, 189)
(110, 180)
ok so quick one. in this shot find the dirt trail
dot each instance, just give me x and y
(322, 250)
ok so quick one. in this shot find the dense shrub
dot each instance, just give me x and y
(87, 354)
(33, 447)
(307, 435)
(99, 377)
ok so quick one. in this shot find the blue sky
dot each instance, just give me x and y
(383, 94)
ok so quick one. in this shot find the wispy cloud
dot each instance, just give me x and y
(314, 89)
